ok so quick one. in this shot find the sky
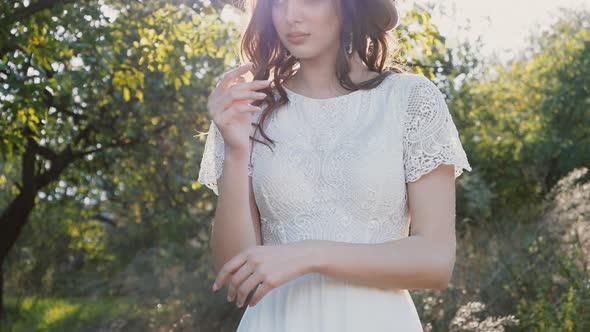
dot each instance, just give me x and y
(503, 25)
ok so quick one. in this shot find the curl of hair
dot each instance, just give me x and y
(261, 45)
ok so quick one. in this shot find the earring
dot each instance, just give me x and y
(349, 49)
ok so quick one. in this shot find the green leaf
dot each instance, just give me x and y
(126, 94)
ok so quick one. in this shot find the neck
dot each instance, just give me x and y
(316, 76)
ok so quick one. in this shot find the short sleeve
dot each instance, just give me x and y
(212, 160)
(430, 136)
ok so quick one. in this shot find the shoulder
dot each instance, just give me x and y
(406, 83)
(412, 81)
(400, 87)
(417, 88)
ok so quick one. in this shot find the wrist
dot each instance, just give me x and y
(235, 154)
(315, 256)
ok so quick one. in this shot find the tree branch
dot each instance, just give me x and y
(121, 142)
(26, 12)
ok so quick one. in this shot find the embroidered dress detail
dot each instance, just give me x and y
(430, 137)
(339, 172)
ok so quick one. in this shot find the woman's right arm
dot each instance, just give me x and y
(224, 168)
(237, 220)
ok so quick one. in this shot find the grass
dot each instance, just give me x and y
(26, 314)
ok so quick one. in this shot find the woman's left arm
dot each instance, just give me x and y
(425, 259)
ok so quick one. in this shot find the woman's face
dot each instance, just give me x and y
(317, 19)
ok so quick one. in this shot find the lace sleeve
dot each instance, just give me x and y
(212, 161)
(430, 135)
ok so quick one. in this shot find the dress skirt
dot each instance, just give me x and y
(318, 303)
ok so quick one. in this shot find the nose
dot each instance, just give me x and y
(292, 11)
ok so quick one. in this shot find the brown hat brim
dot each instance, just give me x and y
(384, 13)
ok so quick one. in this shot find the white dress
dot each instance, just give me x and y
(339, 172)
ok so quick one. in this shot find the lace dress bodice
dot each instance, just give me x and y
(340, 165)
(339, 171)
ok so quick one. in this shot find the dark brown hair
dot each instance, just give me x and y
(261, 45)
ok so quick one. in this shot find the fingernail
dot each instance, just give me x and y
(228, 299)
(214, 287)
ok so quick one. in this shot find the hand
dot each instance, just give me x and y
(229, 106)
(269, 266)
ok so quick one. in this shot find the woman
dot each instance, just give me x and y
(312, 230)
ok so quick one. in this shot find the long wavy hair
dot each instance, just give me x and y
(261, 45)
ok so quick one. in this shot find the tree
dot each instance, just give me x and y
(529, 121)
(79, 84)
(99, 101)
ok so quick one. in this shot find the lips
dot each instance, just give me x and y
(296, 34)
(296, 38)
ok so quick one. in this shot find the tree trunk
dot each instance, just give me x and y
(15, 217)
(2, 311)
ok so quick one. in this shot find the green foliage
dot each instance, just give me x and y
(126, 223)
(123, 94)
(558, 298)
(528, 123)
(94, 86)
(72, 314)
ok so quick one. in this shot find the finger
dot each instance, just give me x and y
(236, 111)
(239, 109)
(246, 288)
(237, 279)
(244, 92)
(232, 96)
(259, 293)
(233, 74)
(228, 269)
(253, 85)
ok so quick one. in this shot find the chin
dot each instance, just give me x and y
(303, 55)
